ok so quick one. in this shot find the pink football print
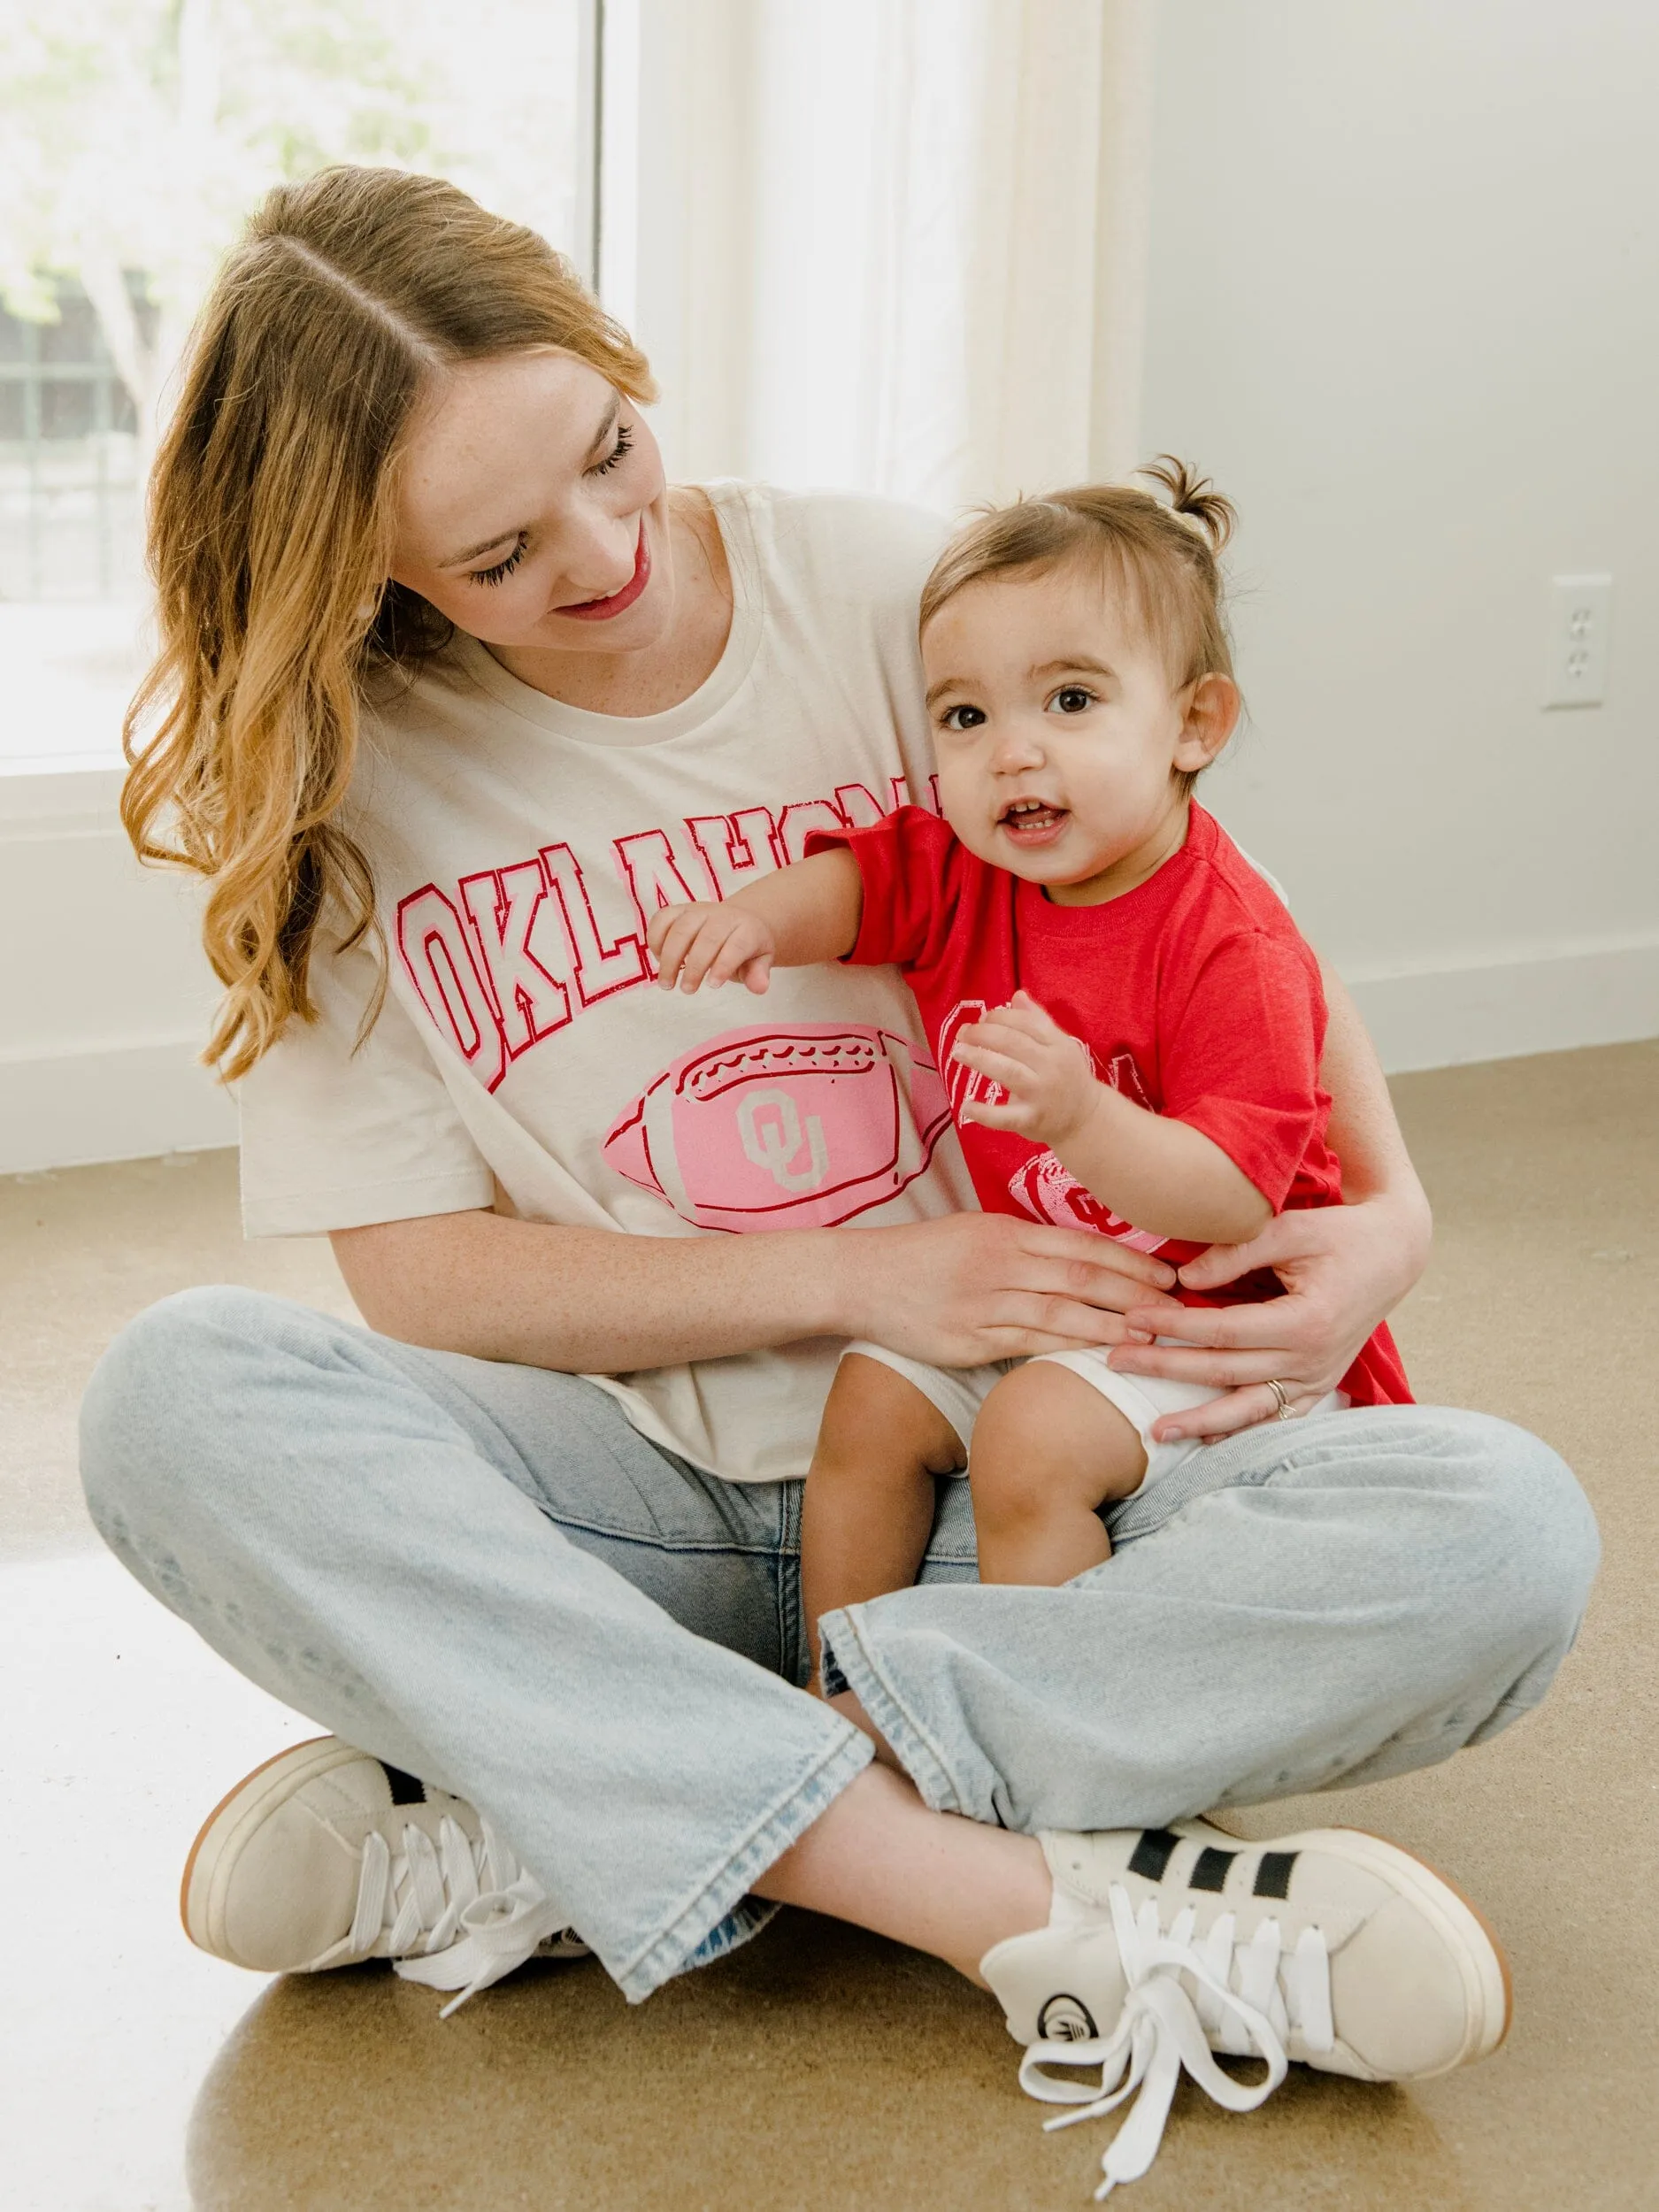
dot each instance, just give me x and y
(794, 1128)
(1048, 1190)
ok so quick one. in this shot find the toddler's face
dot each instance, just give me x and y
(1058, 734)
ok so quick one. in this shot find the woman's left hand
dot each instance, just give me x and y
(1344, 1268)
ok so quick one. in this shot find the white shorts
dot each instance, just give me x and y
(959, 1393)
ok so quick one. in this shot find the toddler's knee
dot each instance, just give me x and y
(1009, 1491)
(876, 1422)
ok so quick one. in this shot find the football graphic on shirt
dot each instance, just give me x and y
(797, 1127)
(1048, 1191)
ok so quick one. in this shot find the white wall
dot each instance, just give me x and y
(1404, 304)
(1403, 301)
(105, 997)
(886, 245)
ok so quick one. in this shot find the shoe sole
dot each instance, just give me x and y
(205, 1881)
(1488, 1989)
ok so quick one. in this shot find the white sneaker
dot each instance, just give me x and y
(324, 1856)
(1332, 1948)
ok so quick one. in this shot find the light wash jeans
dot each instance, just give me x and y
(480, 1573)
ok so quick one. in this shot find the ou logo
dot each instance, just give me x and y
(768, 1129)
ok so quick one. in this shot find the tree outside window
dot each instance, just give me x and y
(134, 137)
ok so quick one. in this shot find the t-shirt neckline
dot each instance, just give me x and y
(554, 718)
(1040, 912)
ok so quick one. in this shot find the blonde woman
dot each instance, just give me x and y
(455, 692)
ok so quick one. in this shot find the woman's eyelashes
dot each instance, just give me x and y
(502, 569)
(620, 451)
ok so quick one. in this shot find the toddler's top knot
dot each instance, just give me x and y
(1159, 548)
(1193, 498)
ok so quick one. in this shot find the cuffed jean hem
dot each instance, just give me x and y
(722, 1915)
(849, 1662)
(746, 1919)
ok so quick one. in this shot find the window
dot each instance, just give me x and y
(135, 136)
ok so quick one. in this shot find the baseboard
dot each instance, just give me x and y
(114, 1102)
(131, 1100)
(1443, 1017)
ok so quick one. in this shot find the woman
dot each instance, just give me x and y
(457, 693)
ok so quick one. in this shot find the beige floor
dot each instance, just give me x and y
(817, 2067)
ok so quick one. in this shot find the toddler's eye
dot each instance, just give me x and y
(962, 718)
(1071, 699)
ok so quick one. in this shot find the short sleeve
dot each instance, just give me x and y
(1242, 1060)
(903, 860)
(333, 1138)
(1266, 874)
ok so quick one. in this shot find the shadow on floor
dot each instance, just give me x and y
(818, 2066)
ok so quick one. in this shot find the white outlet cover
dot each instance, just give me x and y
(1580, 629)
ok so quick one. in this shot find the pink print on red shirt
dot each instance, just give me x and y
(1042, 1186)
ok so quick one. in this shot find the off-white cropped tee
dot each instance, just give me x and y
(525, 1057)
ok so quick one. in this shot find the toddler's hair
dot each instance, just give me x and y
(1161, 556)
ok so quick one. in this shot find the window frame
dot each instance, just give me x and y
(86, 786)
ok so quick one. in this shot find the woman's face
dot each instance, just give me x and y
(532, 510)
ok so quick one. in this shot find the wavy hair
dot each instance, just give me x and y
(270, 541)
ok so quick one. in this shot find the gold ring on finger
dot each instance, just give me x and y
(1286, 1411)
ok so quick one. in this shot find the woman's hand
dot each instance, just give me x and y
(976, 1287)
(1344, 1269)
(710, 944)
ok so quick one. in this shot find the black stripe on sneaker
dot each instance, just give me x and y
(1273, 1877)
(1152, 1854)
(1212, 1870)
(405, 1789)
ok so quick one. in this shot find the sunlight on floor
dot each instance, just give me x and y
(120, 1732)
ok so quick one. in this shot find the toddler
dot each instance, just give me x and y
(1127, 1020)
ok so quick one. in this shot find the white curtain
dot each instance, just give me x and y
(896, 245)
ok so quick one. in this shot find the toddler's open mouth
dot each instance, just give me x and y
(1030, 822)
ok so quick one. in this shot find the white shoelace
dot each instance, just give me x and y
(457, 1914)
(1250, 1998)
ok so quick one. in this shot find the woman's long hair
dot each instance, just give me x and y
(270, 538)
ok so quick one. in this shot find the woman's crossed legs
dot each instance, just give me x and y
(483, 1577)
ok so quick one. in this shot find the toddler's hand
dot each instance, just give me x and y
(1046, 1072)
(710, 944)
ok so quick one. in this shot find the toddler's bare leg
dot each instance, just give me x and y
(1048, 1450)
(869, 1504)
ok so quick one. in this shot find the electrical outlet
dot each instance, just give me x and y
(1581, 618)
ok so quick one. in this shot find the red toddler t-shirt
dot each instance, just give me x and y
(1194, 994)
